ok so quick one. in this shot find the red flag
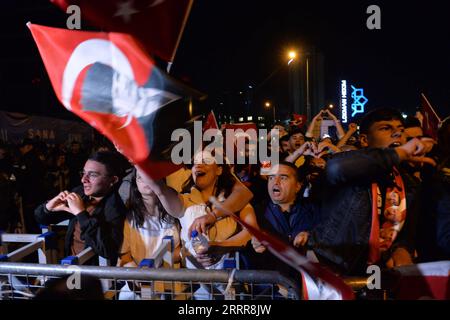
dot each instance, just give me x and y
(157, 24)
(430, 122)
(211, 122)
(299, 120)
(244, 126)
(108, 81)
(430, 280)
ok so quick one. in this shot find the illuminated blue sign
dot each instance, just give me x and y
(344, 101)
(356, 101)
(359, 101)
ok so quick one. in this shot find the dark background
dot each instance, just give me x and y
(230, 44)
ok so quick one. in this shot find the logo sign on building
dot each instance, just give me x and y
(344, 101)
(357, 101)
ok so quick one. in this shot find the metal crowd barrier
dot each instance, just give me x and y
(43, 244)
(246, 284)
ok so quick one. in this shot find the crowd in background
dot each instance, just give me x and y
(376, 193)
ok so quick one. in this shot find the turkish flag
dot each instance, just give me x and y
(423, 280)
(299, 120)
(156, 24)
(111, 83)
(211, 122)
(243, 126)
(430, 122)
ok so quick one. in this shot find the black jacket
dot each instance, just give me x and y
(342, 237)
(103, 230)
(434, 221)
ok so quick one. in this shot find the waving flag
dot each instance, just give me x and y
(108, 81)
(423, 280)
(299, 120)
(430, 121)
(156, 24)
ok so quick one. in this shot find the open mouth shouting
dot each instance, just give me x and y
(276, 191)
(199, 173)
(395, 144)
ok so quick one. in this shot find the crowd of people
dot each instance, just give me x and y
(378, 193)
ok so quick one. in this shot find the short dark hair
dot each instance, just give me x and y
(293, 167)
(110, 160)
(412, 122)
(278, 124)
(284, 138)
(377, 115)
(296, 131)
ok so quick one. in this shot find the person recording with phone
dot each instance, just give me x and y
(324, 114)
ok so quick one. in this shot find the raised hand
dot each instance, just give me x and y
(324, 147)
(415, 151)
(58, 203)
(332, 116)
(318, 116)
(75, 203)
(309, 148)
(352, 127)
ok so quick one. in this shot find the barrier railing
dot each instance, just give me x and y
(247, 284)
(43, 244)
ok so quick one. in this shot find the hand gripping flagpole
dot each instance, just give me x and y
(291, 257)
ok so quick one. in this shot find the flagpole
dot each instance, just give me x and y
(431, 107)
(188, 11)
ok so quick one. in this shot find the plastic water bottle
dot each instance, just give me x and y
(199, 242)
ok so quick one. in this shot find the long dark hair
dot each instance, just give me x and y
(225, 182)
(136, 207)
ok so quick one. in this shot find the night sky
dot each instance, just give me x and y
(228, 45)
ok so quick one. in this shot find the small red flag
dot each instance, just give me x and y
(430, 122)
(299, 120)
(211, 122)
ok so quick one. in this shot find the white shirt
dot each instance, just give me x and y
(142, 242)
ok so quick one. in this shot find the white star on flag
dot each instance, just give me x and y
(125, 10)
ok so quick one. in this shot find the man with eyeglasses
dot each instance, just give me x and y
(95, 209)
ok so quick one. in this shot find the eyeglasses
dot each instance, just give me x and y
(91, 175)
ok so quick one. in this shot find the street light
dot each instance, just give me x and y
(291, 55)
(268, 105)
